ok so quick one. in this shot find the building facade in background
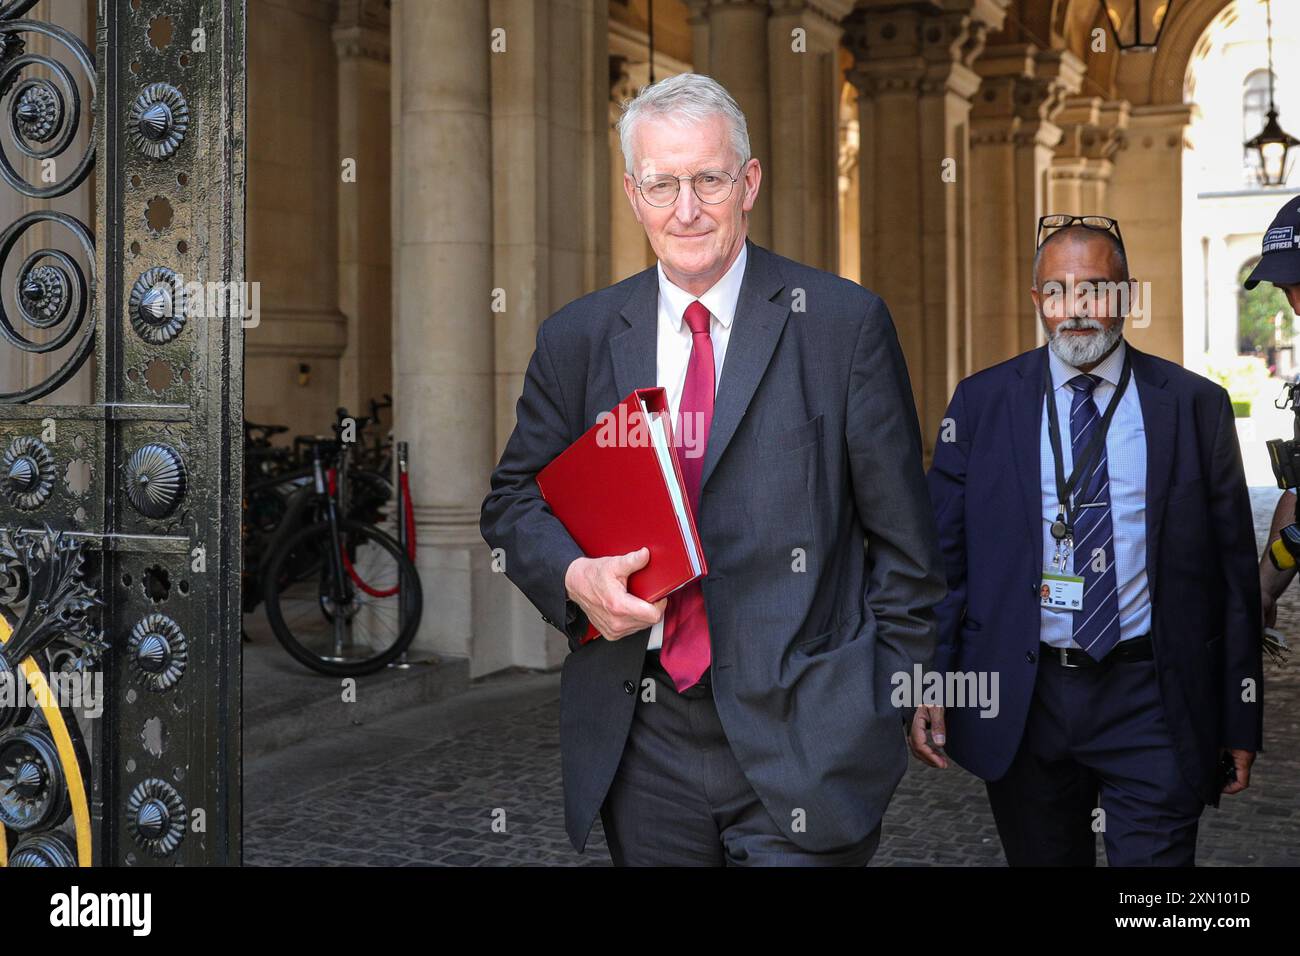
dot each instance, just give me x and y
(429, 179)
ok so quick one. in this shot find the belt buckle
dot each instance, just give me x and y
(1064, 654)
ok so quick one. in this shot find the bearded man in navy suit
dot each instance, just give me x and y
(1105, 570)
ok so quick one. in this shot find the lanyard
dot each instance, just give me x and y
(1064, 525)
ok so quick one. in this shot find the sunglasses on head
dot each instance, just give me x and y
(1056, 221)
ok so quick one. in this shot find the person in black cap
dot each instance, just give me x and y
(1280, 265)
(1280, 259)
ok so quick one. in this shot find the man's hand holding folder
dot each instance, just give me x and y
(618, 491)
(599, 587)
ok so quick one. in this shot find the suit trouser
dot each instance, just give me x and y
(1096, 736)
(679, 797)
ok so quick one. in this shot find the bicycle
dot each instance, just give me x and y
(272, 473)
(341, 595)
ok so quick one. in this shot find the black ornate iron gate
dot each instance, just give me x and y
(119, 518)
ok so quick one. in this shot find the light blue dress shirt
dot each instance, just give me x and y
(1126, 452)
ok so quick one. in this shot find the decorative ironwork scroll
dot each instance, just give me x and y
(119, 505)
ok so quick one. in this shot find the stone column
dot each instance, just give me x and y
(1146, 195)
(361, 40)
(551, 213)
(802, 181)
(293, 192)
(442, 296)
(1217, 320)
(850, 192)
(737, 32)
(913, 71)
(1012, 138)
(698, 18)
(629, 250)
(1084, 159)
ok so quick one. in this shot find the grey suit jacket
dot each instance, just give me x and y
(815, 521)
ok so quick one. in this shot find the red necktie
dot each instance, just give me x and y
(685, 654)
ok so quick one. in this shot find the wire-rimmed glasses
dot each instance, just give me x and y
(712, 186)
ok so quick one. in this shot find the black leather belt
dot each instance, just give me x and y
(1134, 649)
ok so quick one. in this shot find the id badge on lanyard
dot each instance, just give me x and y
(1060, 589)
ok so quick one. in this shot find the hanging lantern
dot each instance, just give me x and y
(1136, 24)
(1276, 149)
(1274, 146)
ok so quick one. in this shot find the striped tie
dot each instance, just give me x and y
(1096, 627)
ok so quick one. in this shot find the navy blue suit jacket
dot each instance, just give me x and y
(1202, 564)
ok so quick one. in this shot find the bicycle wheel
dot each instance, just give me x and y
(380, 586)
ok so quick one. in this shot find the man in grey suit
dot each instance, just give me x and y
(745, 719)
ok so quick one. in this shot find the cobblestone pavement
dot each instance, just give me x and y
(475, 781)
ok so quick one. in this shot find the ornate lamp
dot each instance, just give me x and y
(1136, 24)
(1274, 145)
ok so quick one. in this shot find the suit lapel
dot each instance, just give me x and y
(755, 331)
(1160, 423)
(634, 350)
(1026, 444)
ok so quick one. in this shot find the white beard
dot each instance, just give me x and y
(1078, 351)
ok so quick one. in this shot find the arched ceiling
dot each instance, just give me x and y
(1141, 78)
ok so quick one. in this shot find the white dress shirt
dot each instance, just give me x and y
(1126, 465)
(673, 349)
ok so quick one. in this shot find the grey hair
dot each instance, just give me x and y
(685, 99)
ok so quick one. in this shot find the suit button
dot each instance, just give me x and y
(629, 687)
(1031, 656)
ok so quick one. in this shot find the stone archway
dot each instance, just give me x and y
(1225, 213)
(1160, 82)
(1189, 22)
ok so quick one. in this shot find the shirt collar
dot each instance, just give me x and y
(720, 299)
(1109, 370)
